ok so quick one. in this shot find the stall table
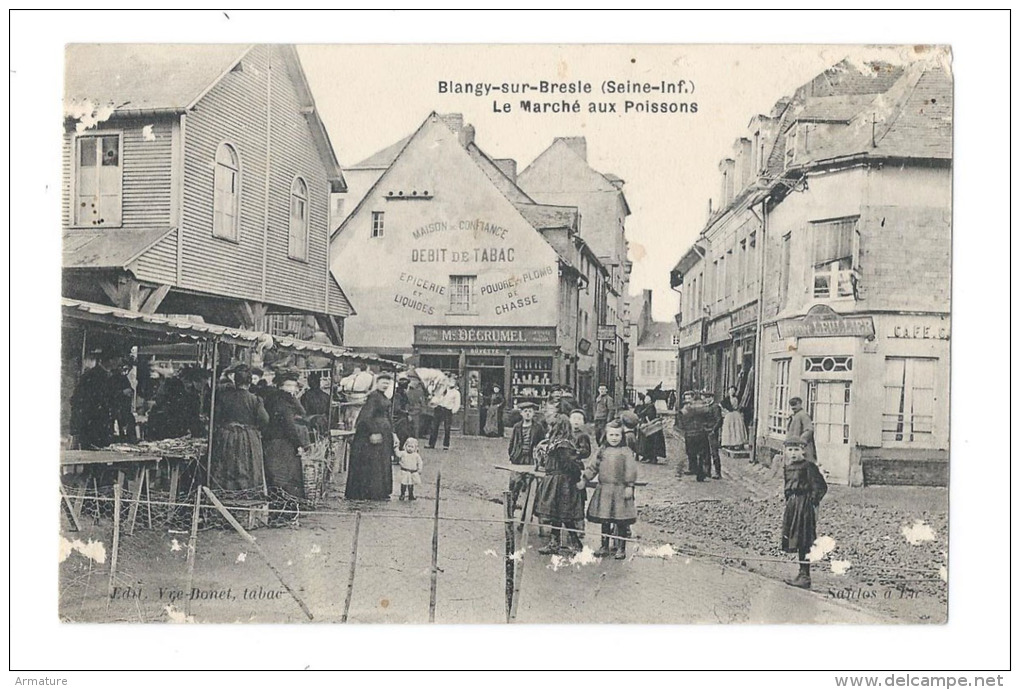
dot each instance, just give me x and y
(345, 436)
(122, 461)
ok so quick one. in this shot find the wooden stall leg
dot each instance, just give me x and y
(175, 479)
(70, 509)
(133, 512)
(116, 544)
(192, 548)
(147, 478)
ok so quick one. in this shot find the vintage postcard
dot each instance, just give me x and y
(505, 333)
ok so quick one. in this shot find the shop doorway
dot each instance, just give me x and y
(485, 374)
(829, 407)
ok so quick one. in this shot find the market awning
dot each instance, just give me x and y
(171, 327)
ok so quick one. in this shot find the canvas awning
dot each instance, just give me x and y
(163, 326)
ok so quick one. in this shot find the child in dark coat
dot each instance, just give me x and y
(804, 487)
(612, 504)
(524, 437)
(559, 501)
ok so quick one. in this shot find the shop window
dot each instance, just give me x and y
(835, 251)
(908, 414)
(462, 294)
(447, 363)
(780, 397)
(297, 246)
(828, 365)
(378, 221)
(226, 193)
(97, 181)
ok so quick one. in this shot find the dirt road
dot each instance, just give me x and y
(232, 583)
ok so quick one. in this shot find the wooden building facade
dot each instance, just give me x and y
(197, 180)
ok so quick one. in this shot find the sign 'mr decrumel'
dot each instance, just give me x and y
(490, 335)
(822, 322)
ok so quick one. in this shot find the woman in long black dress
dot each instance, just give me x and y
(370, 476)
(237, 458)
(494, 414)
(282, 438)
(652, 446)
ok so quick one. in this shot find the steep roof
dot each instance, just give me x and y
(141, 78)
(540, 216)
(505, 185)
(658, 335)
(913, 119)
(383, 159)
(833, 108)
(545, 217)
(135, 77)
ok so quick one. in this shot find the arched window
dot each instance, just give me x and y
(298, 243)
(227, 192)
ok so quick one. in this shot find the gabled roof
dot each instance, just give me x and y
(109, 247)
(145, 79)
(134, 77)
(562, 146)
(540, 216)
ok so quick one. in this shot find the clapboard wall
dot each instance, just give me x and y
(146, 164)
(246, 104)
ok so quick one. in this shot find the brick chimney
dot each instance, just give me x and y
(508, 166)
(466, 135)
(578, 145)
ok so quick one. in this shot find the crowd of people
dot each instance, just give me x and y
(560, 446)
(259, 429)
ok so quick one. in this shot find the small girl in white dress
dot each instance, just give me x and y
(410, 468)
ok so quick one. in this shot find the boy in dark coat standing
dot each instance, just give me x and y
(803, 487)
(525, 435)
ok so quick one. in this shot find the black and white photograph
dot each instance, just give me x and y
(504, 334)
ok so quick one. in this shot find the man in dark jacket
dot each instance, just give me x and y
(605, 409)
(316, 404)
(93, 405)
(402, 424)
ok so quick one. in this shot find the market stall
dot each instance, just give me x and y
(191, 457)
